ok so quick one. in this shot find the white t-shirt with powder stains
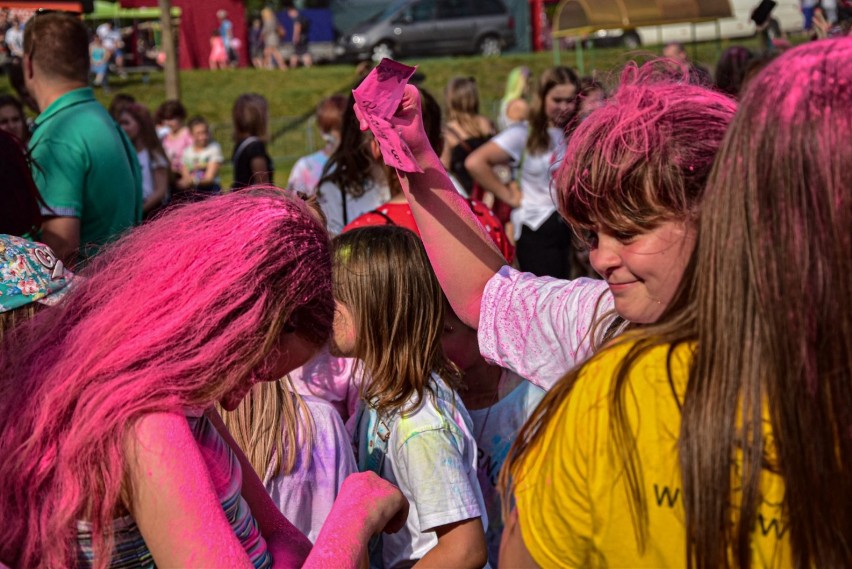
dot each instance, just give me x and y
(305, 496)
(541, 327)
(431, 457)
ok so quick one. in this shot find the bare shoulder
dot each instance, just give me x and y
(517, 110)
(485, 125)
(158, 435)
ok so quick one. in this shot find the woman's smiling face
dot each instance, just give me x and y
(643, 270)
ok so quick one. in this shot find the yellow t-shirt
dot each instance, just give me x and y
(573, 502)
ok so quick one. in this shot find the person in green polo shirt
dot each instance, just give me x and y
(86, 168)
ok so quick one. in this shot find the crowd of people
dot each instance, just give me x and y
(417, 368)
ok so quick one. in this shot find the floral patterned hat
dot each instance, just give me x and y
(30, 272)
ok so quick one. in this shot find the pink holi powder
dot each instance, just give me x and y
(377, 99)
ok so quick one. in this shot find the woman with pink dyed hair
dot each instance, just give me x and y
(113, 456)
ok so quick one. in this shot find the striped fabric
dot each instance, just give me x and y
(130, 550)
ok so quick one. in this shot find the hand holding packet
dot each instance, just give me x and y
(376, 100)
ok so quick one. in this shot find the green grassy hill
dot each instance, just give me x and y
(293, 94)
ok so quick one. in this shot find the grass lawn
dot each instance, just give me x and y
(293, 94)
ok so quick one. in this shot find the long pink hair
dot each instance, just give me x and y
(174, 315)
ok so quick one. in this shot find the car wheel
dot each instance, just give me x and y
(381, 51)
(490, 46)
(631, 40)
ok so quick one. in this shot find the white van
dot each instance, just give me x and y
(787, 12)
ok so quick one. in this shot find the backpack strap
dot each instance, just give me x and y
(343, 205)
(243, 145)
(385, 216)
(377, 438)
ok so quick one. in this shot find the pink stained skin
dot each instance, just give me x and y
(377, 98)
(444, 216)
(184, 525)
(179, 329)
(175, 504)
(365, 505)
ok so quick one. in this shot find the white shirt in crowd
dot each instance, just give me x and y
(332, 202)
(535, 174)
(541, 327)
(431, 458)
(495, 428)
(305, 496)
(147, 165)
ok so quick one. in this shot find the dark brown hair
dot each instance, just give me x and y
(349, 166)
(147, 130)
(251, 115)
(20, 200)
(119, 101)
(538, 140)
(731, 69)
(171, 109)
(195, 121)
(58, 44)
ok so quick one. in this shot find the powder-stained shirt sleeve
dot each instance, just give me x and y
(431, 464)
(540, 327)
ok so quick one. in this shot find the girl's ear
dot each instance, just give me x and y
(375, 150)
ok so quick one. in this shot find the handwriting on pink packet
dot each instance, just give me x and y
(394, 151)
(381, 91)
(378, 97)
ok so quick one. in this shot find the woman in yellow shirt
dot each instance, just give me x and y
(721, 436)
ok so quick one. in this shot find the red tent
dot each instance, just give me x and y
(197, 22)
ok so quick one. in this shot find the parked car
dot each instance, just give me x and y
(431, 27)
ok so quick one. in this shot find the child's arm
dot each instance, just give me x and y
(210, 173)
(184, 182)
(456, 242)
(161, 187)
(480, 164)
(174, 502)
(365, 505)
(213, 164)
(460, 545)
